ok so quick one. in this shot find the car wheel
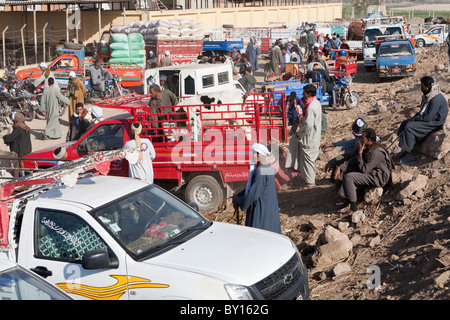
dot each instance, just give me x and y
(206, 192)
(420, 43)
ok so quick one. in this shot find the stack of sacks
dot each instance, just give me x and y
(164, 29)
(120, 50)
(126, 48)
(137, 48)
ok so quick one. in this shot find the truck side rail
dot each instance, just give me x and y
(169, 125)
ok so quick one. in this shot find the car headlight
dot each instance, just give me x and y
(238, 292)
(409, 66)
(382, 67)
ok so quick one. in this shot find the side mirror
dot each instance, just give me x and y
(193, 205)
(96, 259)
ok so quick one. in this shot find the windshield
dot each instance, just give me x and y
(399, 49)
(371, 34)
(149, 219)
(18, 284)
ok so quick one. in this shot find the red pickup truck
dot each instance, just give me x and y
(210, 169)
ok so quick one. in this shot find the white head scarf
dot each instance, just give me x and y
(262, 150)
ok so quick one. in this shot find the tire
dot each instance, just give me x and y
(28, 112)
(206, 192)
(351, 100)
(73, 46)
(420, 43)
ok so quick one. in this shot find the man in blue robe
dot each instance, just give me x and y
(259, 199)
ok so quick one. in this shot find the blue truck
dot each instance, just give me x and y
(221, 47)
(395, 58)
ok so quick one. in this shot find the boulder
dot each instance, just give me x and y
(442, 280)
(373, 195)
(414, 185)
(331, 253)
(437, 144)
(332, 246)
(341, 268)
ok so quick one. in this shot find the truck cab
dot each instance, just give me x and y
(395, 58)
(193, 79)
(75, 60)
(111, 238)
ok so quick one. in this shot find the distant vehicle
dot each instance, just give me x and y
(395, 58)
(17, 283)
(435, 35)
(380, 29)
(75, 60)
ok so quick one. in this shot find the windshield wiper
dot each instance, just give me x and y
(177, 241)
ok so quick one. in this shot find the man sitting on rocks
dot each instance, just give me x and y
(431, 116)
(371, 167)
(347, 146)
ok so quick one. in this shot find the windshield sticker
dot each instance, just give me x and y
(67, 236)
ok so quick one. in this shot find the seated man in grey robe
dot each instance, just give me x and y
(431, 117)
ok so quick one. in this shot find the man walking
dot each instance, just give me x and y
(51, 98)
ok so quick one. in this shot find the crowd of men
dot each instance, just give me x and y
(365, 163)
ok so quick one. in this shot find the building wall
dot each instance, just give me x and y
(89, 24)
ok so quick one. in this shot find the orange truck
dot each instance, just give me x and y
(131, 74)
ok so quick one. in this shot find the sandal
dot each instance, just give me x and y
(407, 159)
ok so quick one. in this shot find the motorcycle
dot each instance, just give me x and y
(344, 94)
(18, 99)
(113, 89)
(27, 84)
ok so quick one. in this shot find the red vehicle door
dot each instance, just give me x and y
(106, 135)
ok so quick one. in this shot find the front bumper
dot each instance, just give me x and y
(390, 74)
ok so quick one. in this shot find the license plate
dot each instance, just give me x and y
(396, 70)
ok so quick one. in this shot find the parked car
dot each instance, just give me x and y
(17, 283)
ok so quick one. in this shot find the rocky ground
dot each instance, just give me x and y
(404, 235)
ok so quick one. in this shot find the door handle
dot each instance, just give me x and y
(42, 271)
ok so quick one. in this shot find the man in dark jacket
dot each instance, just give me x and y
(371, 167)
(292, 114)
(78, 124)
(431, 117)
(248, 81)
(19, 140)
(327, 83)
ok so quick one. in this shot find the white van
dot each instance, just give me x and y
(193, 79)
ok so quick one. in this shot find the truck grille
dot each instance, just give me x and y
(289, 276)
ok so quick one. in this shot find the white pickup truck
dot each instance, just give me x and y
(119, 238)
(435, 35)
